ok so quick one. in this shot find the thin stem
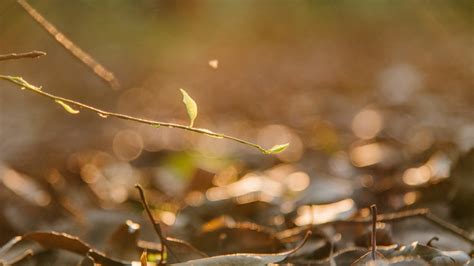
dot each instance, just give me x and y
(24, 84)
(433, 239)
(403, 215)
(156, 225)
(33, 54)
(72, 48)
(373, 209)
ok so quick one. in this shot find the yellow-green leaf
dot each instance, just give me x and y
(277, 148)
(66, 107)
(191, 106)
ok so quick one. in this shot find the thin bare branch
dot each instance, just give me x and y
(72, 48)
(13, 56)
(156, 225)
(403, 215)
(27, 86)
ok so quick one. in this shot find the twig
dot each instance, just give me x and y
(373, 210)
(156, 225)
(403, 215)
(72, 48)
(25, 85)
(430, 242)
(33, 54)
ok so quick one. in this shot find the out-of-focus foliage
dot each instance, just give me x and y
(374, 97)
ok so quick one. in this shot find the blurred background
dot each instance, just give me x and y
(375, 98)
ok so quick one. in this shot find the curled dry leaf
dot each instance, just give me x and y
(55, 240)
(342, 257)
(223, 235)
(247, 258)
(182, 249)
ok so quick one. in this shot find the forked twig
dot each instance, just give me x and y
(72, 48)
(156, 225)
(12, 56)
(27, 86)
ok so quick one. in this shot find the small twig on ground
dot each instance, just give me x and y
(430, 242)
(33, 54)
(403, 215)
(72, 48)
(373, 242)
(156, 225)
(27, 86)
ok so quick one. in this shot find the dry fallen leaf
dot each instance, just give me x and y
(247, 259)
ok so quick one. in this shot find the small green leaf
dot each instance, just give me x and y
(191, 106)
(277, 148)
(66, 107)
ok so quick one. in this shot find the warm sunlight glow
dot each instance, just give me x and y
(367, 123)
(214, 64)
(410, 197)
(440, 165)
(24, 187)
(127, 145)
(217, 193)
(194, 198)
(367, 155)
(297, 181)
(167, 217)
(417, 176)
(254, 183)
(318, 214)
